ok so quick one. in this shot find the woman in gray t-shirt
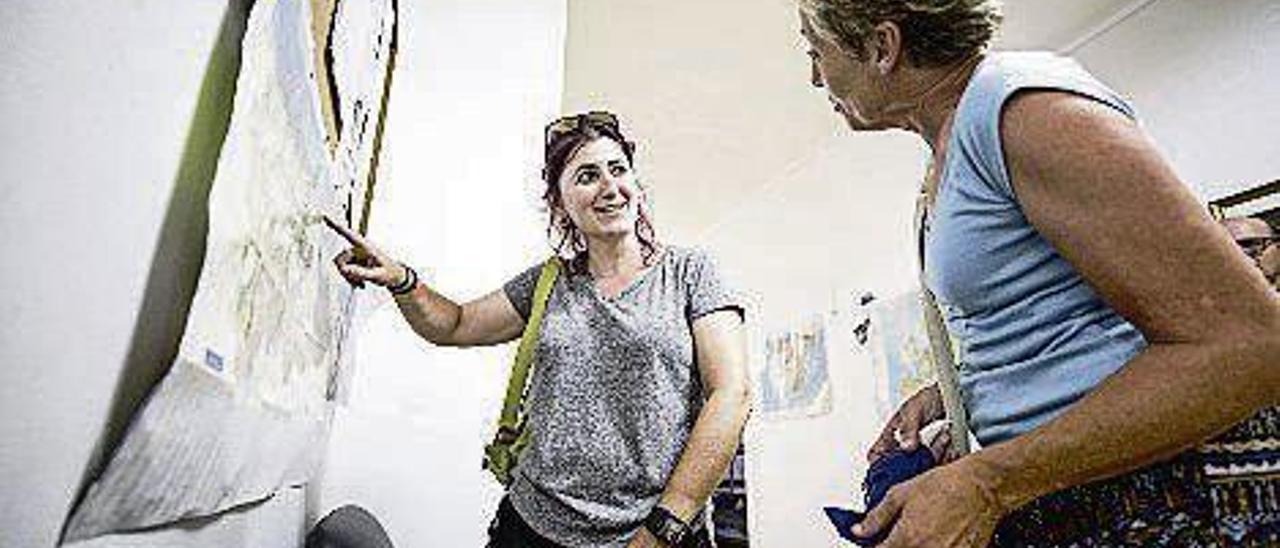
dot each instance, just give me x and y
(639, 392)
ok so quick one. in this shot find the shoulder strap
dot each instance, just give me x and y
(940, 345)
(509, 421)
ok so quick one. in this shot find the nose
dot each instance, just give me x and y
(815, 75)
(610, 187)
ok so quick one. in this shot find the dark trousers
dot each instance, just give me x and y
(509, 530)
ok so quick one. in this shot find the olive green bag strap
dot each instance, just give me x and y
(940, 345)
(512, 435)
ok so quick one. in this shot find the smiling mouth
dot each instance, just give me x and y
(610, 209)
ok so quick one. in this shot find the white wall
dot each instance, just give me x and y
(1205, 76)
(474, 85)
(835, 224)
(112, 114)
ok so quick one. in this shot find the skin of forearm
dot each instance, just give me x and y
(1164, 401)
(709, 451)
(431, 315)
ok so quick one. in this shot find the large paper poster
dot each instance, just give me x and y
(795, 381)
(244, 409)
(894, 335)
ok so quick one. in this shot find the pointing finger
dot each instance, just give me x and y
(348, 234)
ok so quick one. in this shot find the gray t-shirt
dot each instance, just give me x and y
(613, 397)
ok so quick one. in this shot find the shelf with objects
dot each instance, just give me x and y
(729, 503)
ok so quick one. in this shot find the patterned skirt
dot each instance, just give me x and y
(1224, 493)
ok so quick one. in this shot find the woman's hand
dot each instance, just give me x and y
(948, 507)
(364, 262)
(921, 409)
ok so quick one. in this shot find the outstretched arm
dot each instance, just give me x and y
(491, 319)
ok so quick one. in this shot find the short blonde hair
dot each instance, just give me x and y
(934, 32)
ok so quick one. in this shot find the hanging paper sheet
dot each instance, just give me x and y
(245, 406)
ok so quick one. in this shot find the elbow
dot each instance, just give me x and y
(1271, 329)
(447, 340)
(447, 335)
(748, 407)
(1256, 341)
(1272, 326)
(452, 340)
(736, 399)
(1269, 350)
(1266, 333)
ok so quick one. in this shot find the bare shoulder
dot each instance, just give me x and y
(1091, 182)
(1041, 129)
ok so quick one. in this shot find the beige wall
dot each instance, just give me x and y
(836, 224)
(714, 92)
(1205, 77)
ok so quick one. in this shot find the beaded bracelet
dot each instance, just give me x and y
(410, 282)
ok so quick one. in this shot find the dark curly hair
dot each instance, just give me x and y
(934, 32)
(569, 242)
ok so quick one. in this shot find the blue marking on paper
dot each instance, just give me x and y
(213, 360)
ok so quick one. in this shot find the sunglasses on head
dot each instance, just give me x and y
(578, 122)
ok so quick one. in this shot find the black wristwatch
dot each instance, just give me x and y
(666, 526)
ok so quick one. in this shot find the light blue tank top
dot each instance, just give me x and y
(1031, 336)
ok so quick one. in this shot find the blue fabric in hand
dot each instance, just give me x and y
(891, 469)
(844, 520)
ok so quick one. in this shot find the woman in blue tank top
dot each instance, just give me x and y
(1116, 354)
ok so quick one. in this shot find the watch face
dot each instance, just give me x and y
(672, 532)
(665, 526)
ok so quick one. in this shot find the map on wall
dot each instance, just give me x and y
(898, 345)
(245, 407)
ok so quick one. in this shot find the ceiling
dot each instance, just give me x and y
(1057, 24)
(716, 91)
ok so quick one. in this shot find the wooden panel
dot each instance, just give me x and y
(321, 25)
